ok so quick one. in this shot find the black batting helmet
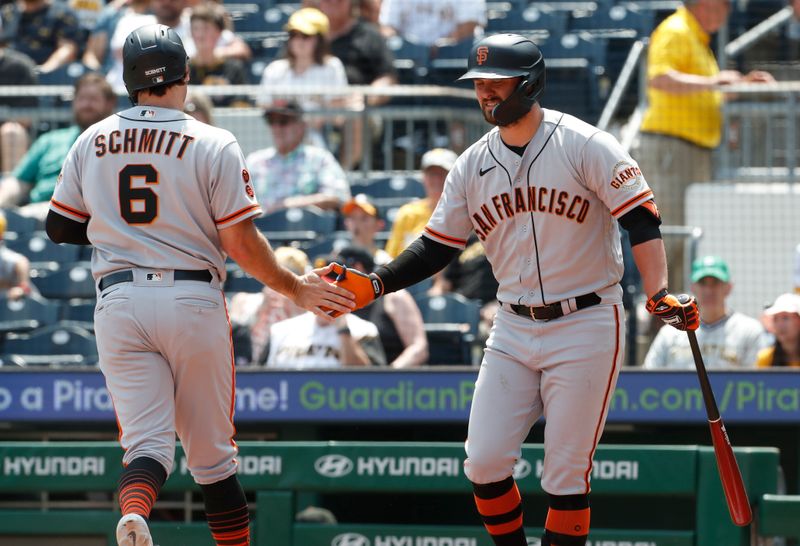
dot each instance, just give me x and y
(152, 55)
(501, 56)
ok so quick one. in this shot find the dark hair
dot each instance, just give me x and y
(95, 78)
(321, 51)
(159, 90)
(779, 357)
(209, 12)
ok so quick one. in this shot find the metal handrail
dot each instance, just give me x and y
(777, 19)
(624, 79)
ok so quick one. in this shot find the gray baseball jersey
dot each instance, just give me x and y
(547, 220)
(155, 185)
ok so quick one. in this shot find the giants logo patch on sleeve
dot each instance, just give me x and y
(626, 176)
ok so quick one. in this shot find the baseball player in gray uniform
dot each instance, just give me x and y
(544, 192)
(163, 198)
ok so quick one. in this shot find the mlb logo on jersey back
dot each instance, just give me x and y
(626, 176)
(147, 114)
(156, 277)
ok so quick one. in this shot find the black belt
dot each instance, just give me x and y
(554, 310)
(179, 275)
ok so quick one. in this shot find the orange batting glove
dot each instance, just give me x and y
(366, 288)
(679, 311)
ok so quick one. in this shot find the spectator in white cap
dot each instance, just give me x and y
(412, 217)
(782, 319)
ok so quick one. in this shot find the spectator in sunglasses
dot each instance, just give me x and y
(308, 71)
(308, 64)
(292, 173)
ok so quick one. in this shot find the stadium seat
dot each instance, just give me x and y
(574, 66)
(615, 19)
(239, 281)
(296, 224)
(271, 19)
(392, 187)
(64, 75)
(449, 309)
(20, 224)
(38, 247)
(448, 345)
(524, 19)
(80, 313)
(73, 281)
(323, 247)
(574, 47)
(52, 345)
(421, 288)
(26, 314)
(410, 60)
(447, 64)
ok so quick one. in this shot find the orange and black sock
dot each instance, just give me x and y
(226, 512)
(139, 485)
(500, 507)
(567, 521)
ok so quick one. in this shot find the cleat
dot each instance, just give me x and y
(132, 530)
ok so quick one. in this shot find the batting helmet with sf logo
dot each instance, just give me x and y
(502, 56)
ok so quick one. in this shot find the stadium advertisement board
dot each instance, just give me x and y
(351, 466)
(416, 396)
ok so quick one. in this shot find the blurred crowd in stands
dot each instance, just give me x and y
(316, 210)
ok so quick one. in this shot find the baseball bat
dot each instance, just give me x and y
(729, 474)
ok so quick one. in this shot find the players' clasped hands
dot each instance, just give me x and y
(322, 298)
(679, 311)
(364, 288)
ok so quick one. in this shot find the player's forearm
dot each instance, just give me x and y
(320, 200)
(651, 260)
(250, 249)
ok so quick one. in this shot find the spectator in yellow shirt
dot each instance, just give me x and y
(412, 217)
(683, 121)
(782, 319)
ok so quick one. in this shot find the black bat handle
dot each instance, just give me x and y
(705, 385)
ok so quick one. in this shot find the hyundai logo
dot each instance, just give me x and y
(333, 466)
(522, 469)
(350, 539)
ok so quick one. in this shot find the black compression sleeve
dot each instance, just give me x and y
(641, 225)
(422, 259)
(61, 229)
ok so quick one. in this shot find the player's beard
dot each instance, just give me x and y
(488, 112)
